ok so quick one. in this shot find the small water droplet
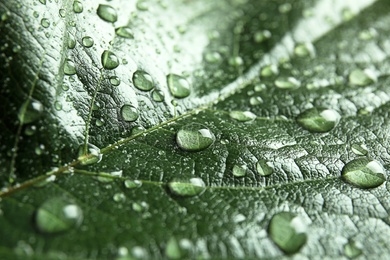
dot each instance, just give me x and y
(318, 120)
(119, 197)
(45, 23)
(360, 77)
(367, 35)
(142, 5)
(124, 32)
(131, 184)
(30, 130)
(287, 83)
(263, 168)
(91, 156)
(99, 122)
(107, 13)
(58, 215)
(69, 68)
(42, 2)
(352, 249)
(236, 61)
(179, 86)
(158, 95)
(261, 36)
(140, 207)
(87, 41)
(187, 188)
(129, 113)
(288, 232)
(77, 7)
(239, 170)
(58, 105)
(142, 80)
(194, 137)
(364, 173)
(269, 71)
(285, 8)
(115, 81)
(242, 116)
(62, 13)
(347, 14)
(30, 111)
(45, 182)
(213, 57)
(71, 41)
(35, 14)
(304, 50)
(109, 60)
(359, 149)
(173, 250)
(254, 101)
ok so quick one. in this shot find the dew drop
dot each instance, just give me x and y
(99, 122)
(179, 86)
(262, 36)
(318, 120)
(287, 83)
(91, 156)
(58, 105)
(129, 113)
(45, 182)
(359, 149)
(213, 57)
(172, 249)
(142, 5)
(158, 95)
(58, 215)
(124, 32)
(362, 77)
(187, 188)
(71, 41)
(142, 80)
(239, 170)
(352, 249)
(107, 13)
(194, 137)
(269, 71)
(304, 50)
(69, 68)
(42, 2)
(115, 81)
(288, 232)
(131, 184)
(236, 61)
(119, 197)
(87, 41)
(109, 60)
(45, 22)
(30, 111)
(263, 168)
(364, 173)
(30, 130)
(62, 13)
(242, 116)
(77, 7)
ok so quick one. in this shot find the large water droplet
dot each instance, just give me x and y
(362, 77)
(242, 116)
(364, 173)
(319, 120)
(124, 32)
(30, 111)
(287, 83)
(239, 170)
(109, 60)
(91, 156)
(129, 113)
(77, 7)
(107, 13)
(87, 41)
(58, 215)
(263, 168)
(179, 86)
(158, 95)
(187, 188)
(69, 68)
(288, 232)
(194, 137)
(143, 81)
(352, 249)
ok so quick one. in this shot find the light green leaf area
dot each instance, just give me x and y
(92, 96)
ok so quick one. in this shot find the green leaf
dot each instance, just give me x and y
(93, 95)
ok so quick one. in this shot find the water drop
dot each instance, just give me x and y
(142, 5)
(304, 50)
(99, 122)
(30, 111)
(352, 249)
(124, 32)
(269, 71)
(194, 137)
(236, 61)
(213, 57)
(187, 188)
(109, 60)
(42, 2)
(58, 105)
(129, 113)
(158, 95)
(115, 81)
(107, 13)
(131, 184)
(359, 149)
(362, 77)
(287, 83)
(142, 80)
(172, 249)
(364, 173)
(71, 41)
(179, 86)
(91, 156)
(69, 68)
(318, 120)
(87, 41)
(58, 215)
(45, 182)
(285, 8)
(35, 14)
(263, 168)
(45, 22)
(77, 7)
(288, 232)
(30, 130)
(119, 197)
(239, 170)
(254, 101)
(261, 36)
(62, 13)
(242, 116)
